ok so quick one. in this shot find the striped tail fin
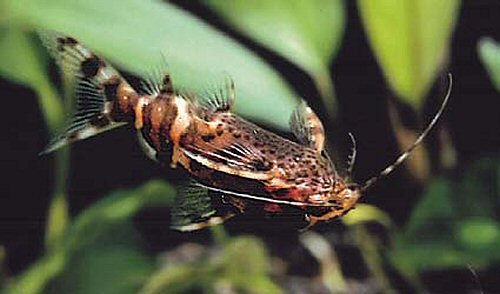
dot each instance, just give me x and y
(104, 100)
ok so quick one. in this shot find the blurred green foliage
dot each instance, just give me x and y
(489, 53)
(99, 251)
(157, 32)
(411, 40)
(240, 265)
(455, 223)
(93, 224)
(310, 33)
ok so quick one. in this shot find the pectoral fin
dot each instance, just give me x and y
(307, 127)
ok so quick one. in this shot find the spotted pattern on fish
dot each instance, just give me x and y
(222, 151)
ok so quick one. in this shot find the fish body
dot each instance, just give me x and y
(225, 154)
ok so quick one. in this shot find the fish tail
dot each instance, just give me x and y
(104, 99)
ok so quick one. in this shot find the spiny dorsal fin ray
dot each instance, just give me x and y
(157, 80)
(307, 127)
(196, 207)
(220, 99)
(96, 88)
(236, 155)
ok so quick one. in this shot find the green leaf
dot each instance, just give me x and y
(105, 269)
(410, 40)
(489, 53)
(307, 33)
(135, 34)
(23, 63)
(242, 264)
(91, 224)
(366, 213)
(479, 234)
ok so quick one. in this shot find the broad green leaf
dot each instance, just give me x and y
(142, 35)
(306, 32)
(21, 62)
(489, 53)
(410, 40)
(91, 224)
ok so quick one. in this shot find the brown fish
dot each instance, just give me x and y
(228, 157)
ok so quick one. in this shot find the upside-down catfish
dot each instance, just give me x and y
(226, 155)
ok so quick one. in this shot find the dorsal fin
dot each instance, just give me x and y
(157, 80)
(220, 99)
(307, 127)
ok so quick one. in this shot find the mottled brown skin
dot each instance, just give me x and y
(218, 148)
(276, 168)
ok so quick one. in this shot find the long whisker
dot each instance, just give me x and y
(403, 156)
(352, 158)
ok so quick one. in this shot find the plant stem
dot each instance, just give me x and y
(372, 257)
(57, 218)
(331, 270)
(219, 235)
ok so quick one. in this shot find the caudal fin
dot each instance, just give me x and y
(98, 90)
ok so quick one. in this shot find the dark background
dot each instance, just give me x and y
(114, 159)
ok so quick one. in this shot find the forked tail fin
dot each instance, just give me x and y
(99, 88)
(386, 171)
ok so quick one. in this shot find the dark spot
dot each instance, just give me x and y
(230, 129)
(110, 89)
(167, 85)
(281, 193)
(208, 138)
(100, 121)
(71, 41)
(272, 151)
(302, 173)
(65, 41)
(219, 132)
(260, 165)
(90, 66)
(237, 135)
(194, 166)
(246, 137)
